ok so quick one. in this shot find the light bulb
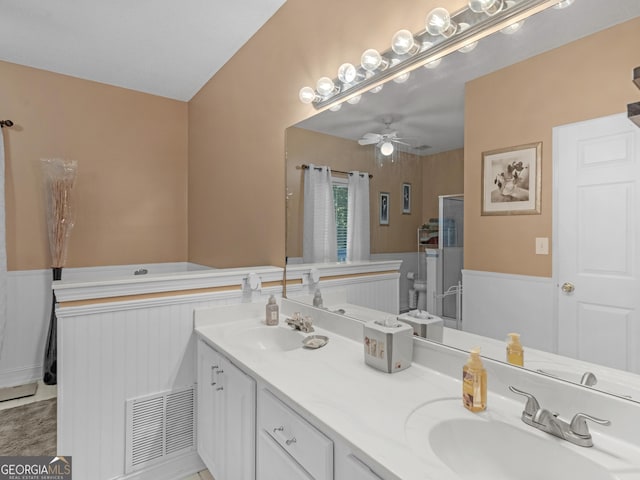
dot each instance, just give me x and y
(490, 7)
(469, 46)
(376, 89)
(403, 43)
(435, 63)
(325, 86)
(386, 148)
(514, 27)
(402, 78)
(336, 107)
(354, 100)
(347, 73)
(307, 95)
(563, 4)
(438, 22)
(371, 60)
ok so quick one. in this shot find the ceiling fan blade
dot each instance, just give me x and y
(368, 141)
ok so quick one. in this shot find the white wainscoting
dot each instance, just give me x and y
(110, 352)
(29, 309)
(494, 304)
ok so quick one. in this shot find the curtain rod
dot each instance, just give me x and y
(306, 167)
(6, 123)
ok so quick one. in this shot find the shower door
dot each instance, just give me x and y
(451, 236)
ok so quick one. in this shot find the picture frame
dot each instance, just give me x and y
(383, 208)
(406, 198)
(511, 180)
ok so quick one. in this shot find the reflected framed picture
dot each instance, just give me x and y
(383, 204)
(511, 180)
(406, 198)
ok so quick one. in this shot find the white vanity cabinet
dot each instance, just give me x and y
(289, 447)
(226, 416)
(350, 467)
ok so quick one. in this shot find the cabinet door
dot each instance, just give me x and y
(276, 464)
(240, 423)
(210, 409)
(352, 468)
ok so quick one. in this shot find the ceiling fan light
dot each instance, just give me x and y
(438, 22)
(386, 148)
(563, 4)
(308, 95)
(403, 43)
(371, 60)
(490, 7)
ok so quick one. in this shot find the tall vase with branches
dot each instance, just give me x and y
(59, 180)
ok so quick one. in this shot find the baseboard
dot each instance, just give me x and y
(20, 376)
(177, 468)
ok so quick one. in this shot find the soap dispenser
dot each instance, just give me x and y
(515, 352)
(474, 383)
(272, 314)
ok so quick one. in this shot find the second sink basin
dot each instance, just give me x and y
(484, 447)
(262, 337)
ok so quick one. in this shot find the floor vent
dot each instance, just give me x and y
(160, 426)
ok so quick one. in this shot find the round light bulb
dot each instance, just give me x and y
(386, 148)
(347, 73)
(469, 46)
(307, 95)
(371, 60)
(490, 7)
(514, 27)
(336, 107)
(435, 63)
(438, 22)
(402, 78)
(376, 89)
(403, 43)
(325, 86)
(354, 100)
(563, 4)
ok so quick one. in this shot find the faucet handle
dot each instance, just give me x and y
(579, 424)
(532, 405)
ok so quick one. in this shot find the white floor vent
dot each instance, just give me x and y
(160, 426)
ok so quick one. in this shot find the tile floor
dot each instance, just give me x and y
(203, 475)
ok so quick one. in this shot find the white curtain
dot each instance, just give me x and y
(319, 236)
(3, 251)
(358, 235)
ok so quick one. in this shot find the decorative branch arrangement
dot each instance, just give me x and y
(59, 179)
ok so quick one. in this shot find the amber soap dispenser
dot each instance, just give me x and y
(474, 383)
(515, 352)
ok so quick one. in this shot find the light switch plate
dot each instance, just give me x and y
(542, 246)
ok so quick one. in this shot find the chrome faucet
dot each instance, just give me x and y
(576, 431)
(298, 322)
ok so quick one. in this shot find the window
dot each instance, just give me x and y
(340, 204)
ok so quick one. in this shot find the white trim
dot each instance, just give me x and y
(20, 376)
(179, 467)
(302, 271)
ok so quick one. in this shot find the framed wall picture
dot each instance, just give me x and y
(383, 204)
(511, 180)
(406, 198)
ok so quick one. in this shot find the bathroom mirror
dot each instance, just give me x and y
(427, 112)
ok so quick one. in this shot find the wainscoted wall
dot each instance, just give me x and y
(494, 304)
(409, 264)
(111, 352)
(29, 307)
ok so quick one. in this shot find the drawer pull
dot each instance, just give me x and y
(219, 388)
(278, 429)
(213, 373)
(290, 441)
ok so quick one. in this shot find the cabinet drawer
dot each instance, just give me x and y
(276, 464)
(309, 447)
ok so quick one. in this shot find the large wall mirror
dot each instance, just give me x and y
(422, 171)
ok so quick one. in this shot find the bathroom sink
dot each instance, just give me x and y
(262, 337)
(478, 449)
(484, 447)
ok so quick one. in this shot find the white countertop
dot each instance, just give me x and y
(367, 408)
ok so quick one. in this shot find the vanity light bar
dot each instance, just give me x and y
(480, 26)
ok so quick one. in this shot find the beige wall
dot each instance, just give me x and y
(304, 147)
(131, 150)
(442, 174)
(521, 104)
(237, 121)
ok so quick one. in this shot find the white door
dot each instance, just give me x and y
(596, 224)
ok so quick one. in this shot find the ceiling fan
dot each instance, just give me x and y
(384, 140)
